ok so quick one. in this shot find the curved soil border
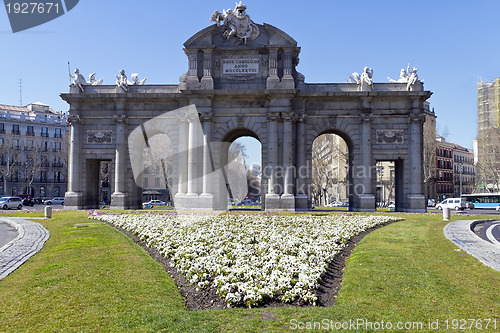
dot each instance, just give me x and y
(207, 299)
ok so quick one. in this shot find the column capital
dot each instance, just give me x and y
(300, 117)
(366, 117)
(206, 116)
(288, 116)
(416, 118)
(273, 116)
(73, 119)
(120, 119)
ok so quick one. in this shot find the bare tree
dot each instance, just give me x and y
(10, 160)
(329, 162)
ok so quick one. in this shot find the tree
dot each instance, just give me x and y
(10, 160)
(489, 159)
(329, 168)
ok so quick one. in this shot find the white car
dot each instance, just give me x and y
(11, 202)
(55, 201)
(498, 208)
(152, 203)
(452, 203)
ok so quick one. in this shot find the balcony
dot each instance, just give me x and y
(57, 135)
(57, 165)
(30, 133)
(27, 148)
(55, 150)
(16, 132)
(2, 131)
(45, 164)
(45, 135)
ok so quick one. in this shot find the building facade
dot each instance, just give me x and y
(456, 171)
(33, 151)
(488, 136)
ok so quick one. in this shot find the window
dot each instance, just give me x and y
(1, 141)
(30, 130)
(57, 191)
(57, 146)
(45, 146)
(29, 145)
(57, 177)
(42, 191)
(43, 176)
(2, 128)
(15, 129)
(45, 132)
(145, 183)
(58, 133)
(15, 144)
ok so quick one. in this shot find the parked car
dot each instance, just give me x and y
(28, 202)
(498, 208)
(11, 202)
(452, 203)
(152, 203)
(56, 200)
(431, 203)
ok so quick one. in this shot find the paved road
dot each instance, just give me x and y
(489, 231)
(7, 233)
(468, 211)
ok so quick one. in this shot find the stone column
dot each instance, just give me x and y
(192, 81)
(287, 198)
(73, 197)
(207, 191)
(272, 197)
(273, 80)
(182, 156)
(119, 196)
(365, 195)
(287, 82)
(192, 166)
(302, 171)
(207, 80)
(416, 198)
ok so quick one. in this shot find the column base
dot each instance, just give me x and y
(287, 202)
(119, 201)
(207, 82)
(301, 202)
(366, 203)
(415, 203)
(73, 201)
(272, 202)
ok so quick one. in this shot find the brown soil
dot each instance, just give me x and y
(207, 299)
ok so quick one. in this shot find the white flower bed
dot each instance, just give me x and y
(249, 258)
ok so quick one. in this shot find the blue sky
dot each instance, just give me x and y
(453, 43)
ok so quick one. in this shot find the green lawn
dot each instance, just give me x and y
(92, 278)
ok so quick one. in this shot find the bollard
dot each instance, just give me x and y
(48, 212)
(446, 214)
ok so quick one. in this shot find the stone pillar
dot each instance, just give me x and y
(192, 81)
(287, 82)
(207, 81)
(182, 158)
(366, 198)
(73, 197)
(302, 172)
(206, 117)
(273, 79)
(416, 198)
(119, 196)
(287, 198)
(272, 197)
(193, 146)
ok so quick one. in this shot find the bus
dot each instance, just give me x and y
(483, 200)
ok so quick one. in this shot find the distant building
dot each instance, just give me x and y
(455, 169)
(33, 151)
(488, 135)
(429, 152)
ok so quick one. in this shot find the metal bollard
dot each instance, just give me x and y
(446, 214)
(48, 212)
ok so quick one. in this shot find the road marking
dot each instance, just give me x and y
(489, 235)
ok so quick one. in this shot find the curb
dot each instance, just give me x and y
(30, 240)
(460, 233)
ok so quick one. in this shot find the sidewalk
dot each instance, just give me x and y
(30, 240)
(460, 233)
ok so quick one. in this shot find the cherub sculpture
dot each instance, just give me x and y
(237, 23)
(79, 80)
(364, 81)
(135, 80)
(93, 81)
(121, 81)
(405, 76)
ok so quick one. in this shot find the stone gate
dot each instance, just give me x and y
(242, 81)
